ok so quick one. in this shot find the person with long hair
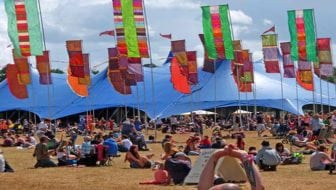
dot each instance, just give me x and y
(136, 160)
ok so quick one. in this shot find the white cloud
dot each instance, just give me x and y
(170, 4)
(255, 47)
(267, 22)
(239, 17)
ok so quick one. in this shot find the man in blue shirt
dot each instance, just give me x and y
(112, 146)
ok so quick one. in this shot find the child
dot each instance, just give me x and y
(160, 176)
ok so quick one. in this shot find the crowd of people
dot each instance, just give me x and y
(105, 139)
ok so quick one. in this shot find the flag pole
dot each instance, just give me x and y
(215, 89)
(313, 92)
(151, 69)
(328, 97)
(239, 105)
(322, 111)
(297, 89)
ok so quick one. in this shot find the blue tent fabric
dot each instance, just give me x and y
(213, 90)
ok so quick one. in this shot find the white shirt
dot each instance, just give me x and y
(333, 121)
(126, 143)
(2, 163)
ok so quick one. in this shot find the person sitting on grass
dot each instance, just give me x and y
(320, 160)
(125, 144)
(267, 158)
(208, 181)
(205, 142)
(42, 154)
(4, 166)
(296, 141)
(283, 152)
(178, 167)
(192, 147)
(137, 161)
(169, 150)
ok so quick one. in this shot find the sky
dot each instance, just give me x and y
(82, 19)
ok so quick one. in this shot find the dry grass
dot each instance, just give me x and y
(120, 176)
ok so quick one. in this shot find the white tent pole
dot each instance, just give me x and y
(320, 91)
(215, 88)
(138, 102)
(238, 82)
(328, 98)
(297, 91)
(152, 72)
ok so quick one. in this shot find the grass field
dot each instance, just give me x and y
(120, 176)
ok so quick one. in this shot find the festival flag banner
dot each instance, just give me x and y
(22, 67)
(167, 36)
(130, 28)
(18, 90)
(43, 67)
(303, 35)
(87, 79)
(79, 89)
(107, 32)
(247, 68)
(115, 75)
(288, 64)
(24, 28)
(217, 32)
(270, 52)
(192, 67)
(238, 73)
(76, 62)
(179, 78)
(179, 50)
(208, 64)
(135, 68)
(237, 44)
(272, 29)
(325, 62)
(305, 79)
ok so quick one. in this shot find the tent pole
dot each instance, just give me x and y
(297, 92)
(282, 97)
(151, 69)
(238, 90)
(255, 98)
(321, 92)
(328, 97)
(313, 92)
(215, 89)
(138, 103)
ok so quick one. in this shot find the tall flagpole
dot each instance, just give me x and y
(215, 88)
(151, 69)
(322, 111)
(313, 92)
(297, 89)
(328, 97)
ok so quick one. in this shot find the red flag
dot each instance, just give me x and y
(178, 77)
(107, 32)
(168, 36)
(18, 90)
(272, 29)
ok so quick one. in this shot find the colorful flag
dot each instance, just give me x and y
(325, 63)
(116, 75)
(242, 69)
(24, 29)
(76, 62)
(79, 89)
(22, 67)
(135, 68)
(43, 67)
(272, 29)
(270, 52)
(179, 78)
(288, 64)
(130, 28)
(208, 64)
(303, 35)
(217, 32)
(87, 78)
(247, 68)
(107, 32)
(167, 36)
(169, 57)
(305, 80)
(18, 90)
(192, 67)
(179, 50)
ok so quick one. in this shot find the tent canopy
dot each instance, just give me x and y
(200, 112)
(241, 112)
(160, 100)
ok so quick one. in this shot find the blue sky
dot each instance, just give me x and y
(83, 19)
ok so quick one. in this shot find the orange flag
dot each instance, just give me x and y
(79, 89)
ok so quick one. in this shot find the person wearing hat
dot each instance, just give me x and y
(42, 154)
(267, 158)
(178, 167)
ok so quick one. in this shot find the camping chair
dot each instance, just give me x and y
(110, 159)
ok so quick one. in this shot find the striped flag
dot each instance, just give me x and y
(303, 35)
(22, 67)
(86, 80)
(179, 50)
(288, 64)
(217, 32)
(43, 67)
(325, 63)
(130, 28)
(208, 64)
(270, 52)
(76, 62)
(15, 87)
(24, 28)
(192, 67)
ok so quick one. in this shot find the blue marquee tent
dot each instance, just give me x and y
(213, 90)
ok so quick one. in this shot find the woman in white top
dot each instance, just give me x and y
(320, 160)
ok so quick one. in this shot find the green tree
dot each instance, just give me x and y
(59, 71)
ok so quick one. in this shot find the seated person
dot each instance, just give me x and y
(252, 151)
(8, 140)
(192, 147)
(169, 150)
(19, 141)
(42, 154)
(283, 152)
(137, 161)
(112, 146)
(219, 143)
(4, 166)
(320, 160)
(205, 142)
(267, 158)
(139, 139)
(208, 181)
(295, 140)
(125, 144)
(178, 167)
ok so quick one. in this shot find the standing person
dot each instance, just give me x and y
(260, 124)
(42, 154)
(316, 124)
(173, 124)
(240, 142)
(138, 124)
